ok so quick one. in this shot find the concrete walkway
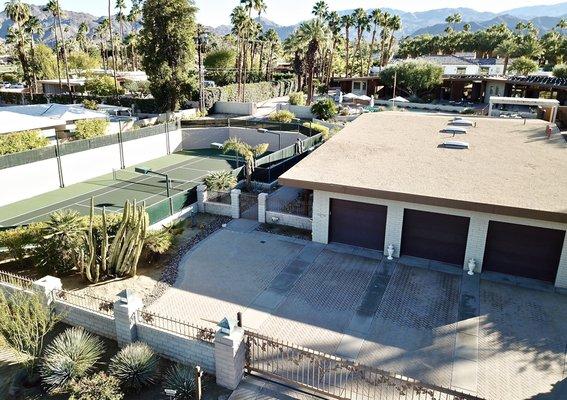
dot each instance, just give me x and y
(251, 388)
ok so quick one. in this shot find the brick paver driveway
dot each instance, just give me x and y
(406, 317)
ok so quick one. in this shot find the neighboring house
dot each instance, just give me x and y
(53, 86)
(500, 203)
(11, 122)
(361, 85)
(458, 65)
(66, 115)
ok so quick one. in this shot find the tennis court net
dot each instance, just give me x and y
(153, 184)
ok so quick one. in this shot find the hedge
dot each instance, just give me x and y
(254, 92)
(21, 141)
(90, 128)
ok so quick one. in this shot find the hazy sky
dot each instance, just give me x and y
(286, 12)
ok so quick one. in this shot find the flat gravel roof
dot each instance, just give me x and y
(509, 168)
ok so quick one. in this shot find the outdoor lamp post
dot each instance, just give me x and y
(263, 130)
(148, 171)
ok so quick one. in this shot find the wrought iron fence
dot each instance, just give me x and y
(334, 377)
(218, 196)
(299, 206)
(16, 280)
(176, 326)
(89, 302)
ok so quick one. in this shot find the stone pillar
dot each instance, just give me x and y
(235, 202)
(230, 357)
(45, 286)
(321, 214)
(476, 242)
(262, 204)
(394, 225)
(201, 197)
(125, 309)
(561, 280)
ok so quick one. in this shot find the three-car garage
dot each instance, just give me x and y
(513, 249)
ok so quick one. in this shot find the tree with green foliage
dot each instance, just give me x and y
(324, 109)
(24, 322)
(247, 152)
(83, 61)
(46, 62)
(219, 64)
(19, 13)
(413, 77)
(524, 66)
(91, 128)
(560, 71)
(100, 86)
(168, 50)
(22, 141)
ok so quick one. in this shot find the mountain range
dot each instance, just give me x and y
(544, 18)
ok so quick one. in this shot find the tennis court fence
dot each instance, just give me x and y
(247, 123)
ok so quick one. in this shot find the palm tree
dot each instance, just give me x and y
(347, 22)
(101, 30)
(362, 24)
(394, 25)
(451, 21)
(247, 152)
(240, 22)
(121, 18)
(133, 19)
(19, 13)
(320, 10)
(385, 24)
(33, 26)
(334, 24)
(257, 5)
(506, 49)
(375, 20)
(81, 37)
(272, 39)
(314, 34)
(53, 7)
(112, 43)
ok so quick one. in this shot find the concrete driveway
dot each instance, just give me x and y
(418, 318)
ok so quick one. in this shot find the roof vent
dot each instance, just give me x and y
(455, 144)
(454, 130)
(460, 121)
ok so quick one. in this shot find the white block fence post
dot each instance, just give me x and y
(201, 197)
(235, 202)
(45, 286)
(230, 356)
(125, 309)
(262, 204)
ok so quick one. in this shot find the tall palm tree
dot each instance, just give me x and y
(320, 10)
(314, 34)
(272, 39)
(257, 5)
(394, 25)
(241, 22)
(53, 7)
(375, 20)
(134, 18)
(451, 21)
(81, 37)
(335, 27)
(506, 49)
(33, 26)
(101, 31)
(121, 18)
(362, 24)
(347, 22)
(19, 13)
(112, 44)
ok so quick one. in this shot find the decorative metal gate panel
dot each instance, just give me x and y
(249, 206)
(329, 376)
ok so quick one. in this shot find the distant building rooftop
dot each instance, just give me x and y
(62, 112)
(15, 122)
(510, 168)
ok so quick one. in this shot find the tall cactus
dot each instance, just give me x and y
(127, 245)
(89, 266)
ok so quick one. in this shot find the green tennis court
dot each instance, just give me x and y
(185, 170)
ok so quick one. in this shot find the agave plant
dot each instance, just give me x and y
(70, 356)
(135, 366)
(181, 378)
(220, 180)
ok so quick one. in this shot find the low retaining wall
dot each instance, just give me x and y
(422, 106)
(234, 108)
(303, 112)
(277, 218)
(178, 348)
(93, 322)
(218, 208)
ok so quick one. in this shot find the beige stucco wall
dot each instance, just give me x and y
(477, 230)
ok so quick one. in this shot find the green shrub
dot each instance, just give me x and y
(254, 92)
(70, 356)
(61, 243)
(523, 66)
(324, 109)
(283, 116)
(135, 366)
(19, 240)
(297, 99)
(22, 141)
(102, 86)
(220, 180)
(560, 71)
(24, 322)
(90, 128)
(99, 386)
(158, 242)
(181, 378)
(90, 104)
(318, 128)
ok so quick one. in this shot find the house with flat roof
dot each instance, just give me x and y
(11, 122)
(492, 194)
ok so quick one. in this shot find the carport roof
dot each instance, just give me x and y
(511, 167)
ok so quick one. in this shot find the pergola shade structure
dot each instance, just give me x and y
(523, 101)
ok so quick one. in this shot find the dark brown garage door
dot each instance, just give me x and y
(357, 224)
(523, 250)
(435, 236)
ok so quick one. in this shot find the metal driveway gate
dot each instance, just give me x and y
(249, 206)
(332, 377)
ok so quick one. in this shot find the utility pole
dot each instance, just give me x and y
(200, 37)
(395, 83)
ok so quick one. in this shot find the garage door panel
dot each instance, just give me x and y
(521, 250)
(434, 236)
(357, 224)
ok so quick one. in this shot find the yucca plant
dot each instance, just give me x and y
(181, 378)
(158, 242)
(220, 180)
(70, 356)
(135, 366)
